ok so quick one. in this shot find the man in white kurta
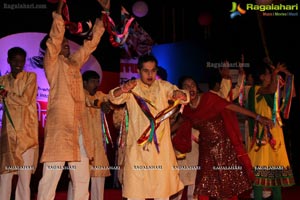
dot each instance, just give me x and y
(67, 137)
(94, 100)
(147, 172)
(19, 137)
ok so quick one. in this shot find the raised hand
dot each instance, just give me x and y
(129, 85)
(265, 121)
(106, 107)
(241, 65)
(179, 95)
(3, 92)
(60, 6)
(282, 68)
(105, 4)
(224, 70)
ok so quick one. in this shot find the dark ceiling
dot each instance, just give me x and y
(172, 21)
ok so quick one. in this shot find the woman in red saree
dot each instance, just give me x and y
(226, 169)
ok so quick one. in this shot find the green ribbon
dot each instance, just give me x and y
(6, 109)
(105, 129)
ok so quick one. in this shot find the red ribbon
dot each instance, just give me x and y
(116, 39)
(73, 27)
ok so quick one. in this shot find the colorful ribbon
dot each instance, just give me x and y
(105, 130)
(152, 136)
(148, 137)
(144, 99)
(275, 110)
(288, 94)
(264, 138)
(242, 92)
(5, 108)
(79, 28)
(116, 39)
(123, 129)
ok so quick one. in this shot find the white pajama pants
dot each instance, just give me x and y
(97, 188)
(24, 177)
(80, 175)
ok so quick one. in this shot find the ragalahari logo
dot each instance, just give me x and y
(236, 10)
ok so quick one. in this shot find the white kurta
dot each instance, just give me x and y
(147, 173)
(66, 111)
(100, 164)
(21, 103)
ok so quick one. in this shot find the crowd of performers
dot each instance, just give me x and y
(171, 136)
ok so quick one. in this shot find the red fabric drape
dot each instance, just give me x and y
(210, 106)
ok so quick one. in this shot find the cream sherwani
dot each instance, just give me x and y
(147, 173)
(21, 103)
(67, 136)
(66, 102)
(100, 166)
(19, 145)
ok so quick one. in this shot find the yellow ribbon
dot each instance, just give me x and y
(161, 116)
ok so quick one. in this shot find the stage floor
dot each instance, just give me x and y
(289, 193)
